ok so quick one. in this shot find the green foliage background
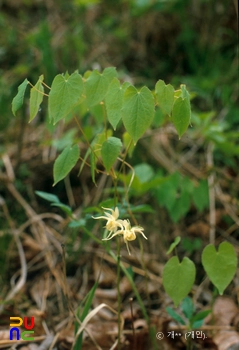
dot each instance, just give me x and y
(148, 39)
(191, 42)
(178, 41)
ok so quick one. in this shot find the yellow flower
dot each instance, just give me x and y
(112, 223)
(116, 227)
(128, 232)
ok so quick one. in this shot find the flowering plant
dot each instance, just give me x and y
(117, 226)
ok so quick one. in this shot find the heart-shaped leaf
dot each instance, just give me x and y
(110, 151)
(113, 102)
(181, 115)
(200, 195)
(66, 93)
(65, 162)
(36, 97)
(18, 99)
(165, 96)
(220, 266)
(97, 84)
(137, 111)
(178, 278)
(110, 73)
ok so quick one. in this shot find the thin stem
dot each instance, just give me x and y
(189, 343)
(43, 83)
(212, 200)
(118, 292)
(86, 139)
(64, 273)
(127, 274)
(132, 321)
(143, 264)
(81, 130)
(125, 155)
(97, 240)
(40, 92)
(132, 177)
(97, 170)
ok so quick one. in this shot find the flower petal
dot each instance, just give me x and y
(127, 245)
(139, 229)
(100, 217)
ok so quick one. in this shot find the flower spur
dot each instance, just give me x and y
(112, 223)
(117, 227)
(128, 232)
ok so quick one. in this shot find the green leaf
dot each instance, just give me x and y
(174, 244)
(108, 203)
(165, 96)
(63, 141)
(197, 320)
(145, 179)
(65, 94)
(185, 93)
(77, 223)
(181, 115)
(88, 302)
(181, 205)
(137, 111)
(142, 208)
(97, 84)
(113, 102)
(110, 151)
(66, 75)
(175, 315)
(92, 166)
(187, 307)
(220, 266)
(48, 196)
(87, 74)
(64, 208)
(65, 162)
(125, 85)
(166, 193)
(191, 244)
(143, 173)
(178, 278)
(159, 118)
(18, 99)
(36, 97)
(110, 73)
(200, 195)
(183, 200)
(98, 112)
(55, 201)
(96, 88)
(187, 185)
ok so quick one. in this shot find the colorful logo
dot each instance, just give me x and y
(17, 331)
